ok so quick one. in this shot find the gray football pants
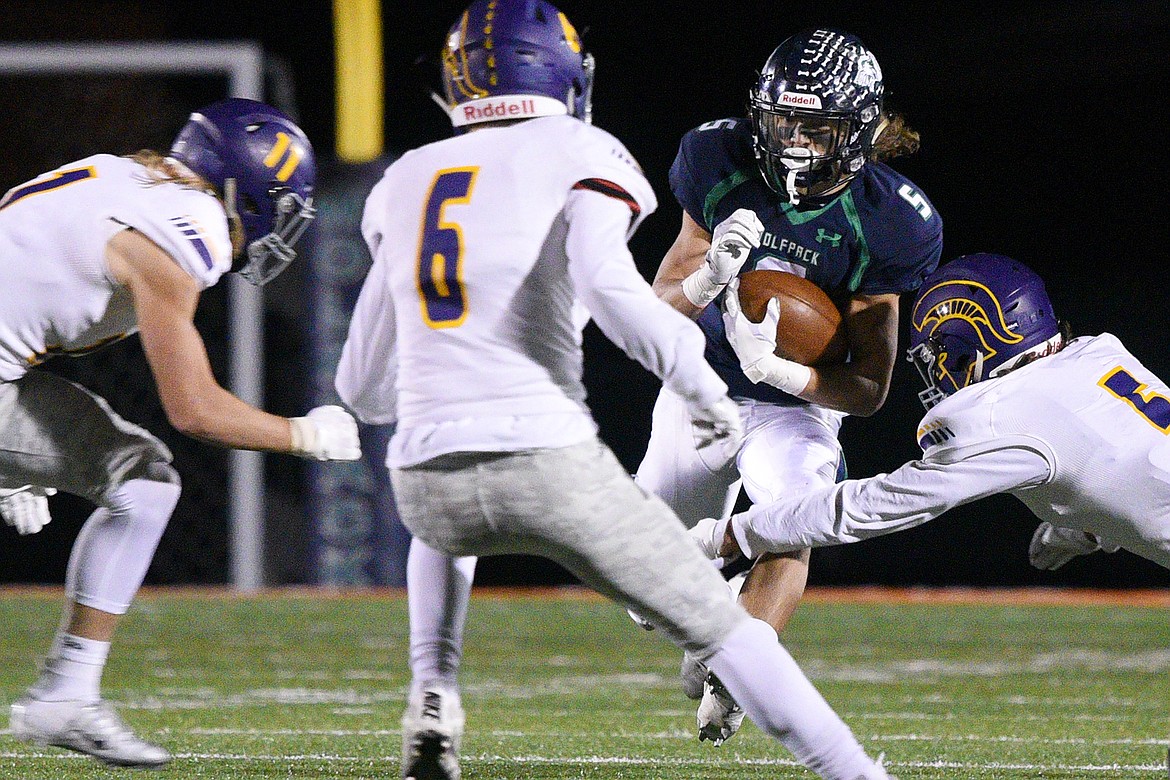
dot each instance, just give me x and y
(576, 506)
(56, 433)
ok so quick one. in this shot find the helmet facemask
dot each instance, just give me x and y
(266, 257)
(944, 370)
(807, 155)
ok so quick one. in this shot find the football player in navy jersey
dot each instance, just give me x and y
(809, 164)
(1074, 428)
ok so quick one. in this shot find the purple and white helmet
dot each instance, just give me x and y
(515, 59)
(975, 318)
(263, 166)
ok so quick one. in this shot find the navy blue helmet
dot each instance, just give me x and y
(515, 59)
(815, 110)
(977, 317)
(263, 166)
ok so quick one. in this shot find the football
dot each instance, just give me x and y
(810, 330)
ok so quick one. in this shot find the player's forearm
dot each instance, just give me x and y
(664, 343)
(826, 517)
(860, 509)
(845, 389)
(852, 511)
(670, 291)
(218, 417)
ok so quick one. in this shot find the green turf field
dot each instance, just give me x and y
(300, 686)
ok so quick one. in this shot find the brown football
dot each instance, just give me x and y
(810, 330)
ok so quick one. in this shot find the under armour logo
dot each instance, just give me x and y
(823, 236)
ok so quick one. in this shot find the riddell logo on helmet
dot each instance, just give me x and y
(503, 109)
(799, 100)
(493, 109)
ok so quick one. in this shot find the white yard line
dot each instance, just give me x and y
(623, 761)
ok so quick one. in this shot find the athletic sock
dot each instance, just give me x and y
(438, 590)
(73, 670)
(773, 691)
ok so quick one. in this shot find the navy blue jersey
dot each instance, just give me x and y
(880, 235)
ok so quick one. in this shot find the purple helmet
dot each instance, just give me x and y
(263, 166)
(973, 319)
(515, 59)
(815, 111)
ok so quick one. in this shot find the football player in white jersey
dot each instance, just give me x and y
(491, 251)
(91, 252)
(1077, 429)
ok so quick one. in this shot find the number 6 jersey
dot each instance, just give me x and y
(491, 251)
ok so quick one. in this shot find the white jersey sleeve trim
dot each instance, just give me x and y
(189, 226)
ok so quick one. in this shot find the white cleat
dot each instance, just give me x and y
(693, 673)
(879, 771)
(432, 728)
(719, 716)
(639, 620)
(92, 728)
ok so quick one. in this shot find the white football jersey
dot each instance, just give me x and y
(1098, 417)
(467, 332)
(57, 296)
(1082, 437)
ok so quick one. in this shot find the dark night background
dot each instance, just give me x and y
(1042, 138)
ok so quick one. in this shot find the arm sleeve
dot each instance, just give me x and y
(628, 312)
(367, 373)
(859, 509)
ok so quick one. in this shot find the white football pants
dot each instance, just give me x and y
(786, 450)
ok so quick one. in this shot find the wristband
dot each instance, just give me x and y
(786, 375)
(700, 288)
(304, 435)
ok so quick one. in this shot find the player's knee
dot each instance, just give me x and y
(148, 500)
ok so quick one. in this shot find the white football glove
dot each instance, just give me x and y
(717, 424)
(26, 508)
(1053, 546)
(755, 345)
(326, 433)
(708, 534)
(731, 243)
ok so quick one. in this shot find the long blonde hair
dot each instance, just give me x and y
(894, 139)
(162, 171)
